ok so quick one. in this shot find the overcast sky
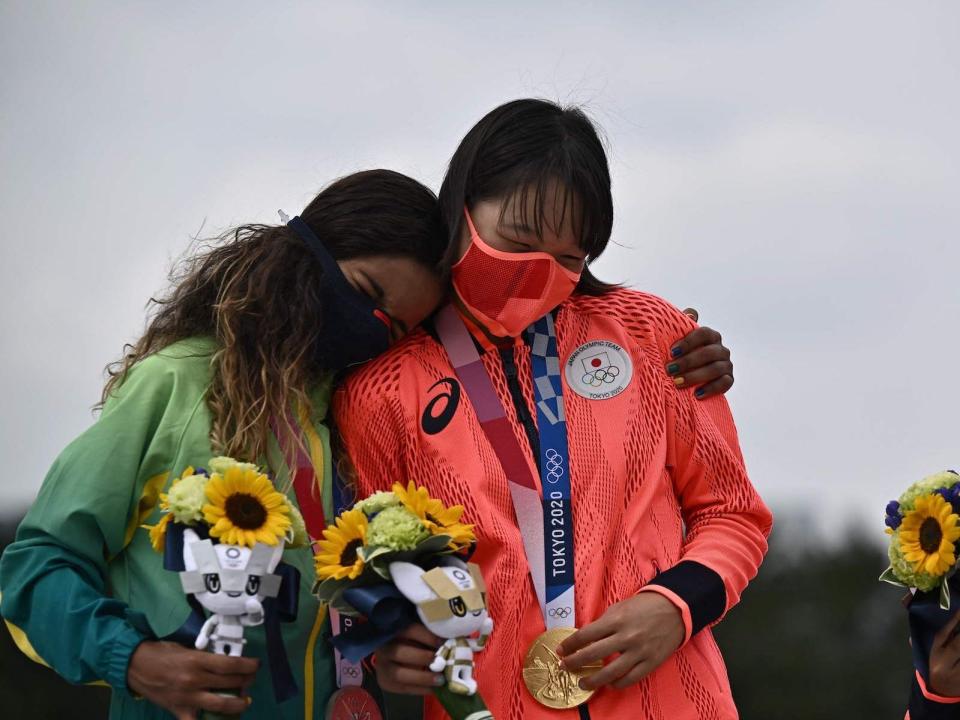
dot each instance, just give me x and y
(791, 169)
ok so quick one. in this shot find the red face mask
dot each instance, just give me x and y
(507, 292)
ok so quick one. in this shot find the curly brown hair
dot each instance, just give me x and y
(256, 291)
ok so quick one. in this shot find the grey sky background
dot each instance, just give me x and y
(791, 169)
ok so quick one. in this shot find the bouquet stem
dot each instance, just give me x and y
(462, 707)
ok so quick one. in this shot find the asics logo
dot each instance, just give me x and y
(440, 410)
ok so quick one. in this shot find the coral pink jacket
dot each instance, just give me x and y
(661, 498)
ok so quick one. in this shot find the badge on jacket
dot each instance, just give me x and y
(599, 370)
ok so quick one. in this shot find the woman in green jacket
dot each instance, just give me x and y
(240, 340)
(254, 330)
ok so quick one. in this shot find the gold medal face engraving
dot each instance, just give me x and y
(546, 679)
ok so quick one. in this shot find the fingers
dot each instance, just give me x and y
(717, 387)
(593, 653)
(586, 635)
(224, 704)
(419, 634)
(410, 680)
(696, 360)
(225, 665)
(403, 665)
(212, 681)
(638, 673)
(705, 374)
(700, 337)
(404, 653)
(611, 672)
(707, 366)
(692, 314)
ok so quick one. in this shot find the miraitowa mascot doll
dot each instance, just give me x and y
(225, 533)
(451, 602)
(230, 581)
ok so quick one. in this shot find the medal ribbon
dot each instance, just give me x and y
(348, 673)
(311, 507)
(544, 518)
(554, 474)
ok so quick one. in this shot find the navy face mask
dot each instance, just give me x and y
(354, 329)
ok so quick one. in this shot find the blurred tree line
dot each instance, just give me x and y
(816, 636)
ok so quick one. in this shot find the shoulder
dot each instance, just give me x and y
(644, 317)
(181, 369)
(381, 376)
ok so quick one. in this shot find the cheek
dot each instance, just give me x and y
(464, 242)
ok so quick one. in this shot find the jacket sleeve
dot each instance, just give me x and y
(727, 524)
(53, 577)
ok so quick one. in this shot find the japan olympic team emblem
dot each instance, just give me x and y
(599, 370)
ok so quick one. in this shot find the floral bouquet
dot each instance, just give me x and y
(924, 526)
(394, 559)
(224, 530)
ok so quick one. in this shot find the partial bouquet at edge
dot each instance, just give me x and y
(224, 531)
(924, 528)
(399, 557)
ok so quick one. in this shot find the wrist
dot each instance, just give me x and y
(696, 590)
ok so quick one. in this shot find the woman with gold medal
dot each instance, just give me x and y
(606, 496)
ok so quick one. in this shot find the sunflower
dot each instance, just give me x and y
(244, 508)
(436, 517)
(928, 533)
(158, 533)
(338, 557)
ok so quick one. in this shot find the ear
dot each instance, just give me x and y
(189, 562)
(409, 580)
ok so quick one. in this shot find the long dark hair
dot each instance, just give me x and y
(520, 148)
(256, 291)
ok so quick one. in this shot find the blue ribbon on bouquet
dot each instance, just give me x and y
(387, 612)
(282, 608)
(926, 619)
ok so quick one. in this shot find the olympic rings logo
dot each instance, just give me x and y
(562, 612)
(351, 671)
(554, 466)
(600, 376)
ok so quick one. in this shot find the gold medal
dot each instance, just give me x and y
(546, 679)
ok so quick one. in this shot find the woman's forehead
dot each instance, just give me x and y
(550, 208)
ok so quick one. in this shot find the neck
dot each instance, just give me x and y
(486, 339)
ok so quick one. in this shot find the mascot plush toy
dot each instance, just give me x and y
(231, 581)
(451, 602)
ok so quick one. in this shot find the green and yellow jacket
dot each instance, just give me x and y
(82, 587)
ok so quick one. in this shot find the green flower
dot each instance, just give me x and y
(221, 464)
(377, 502)
(396, 528)
(298, 529)
(904, 569)
(186, 499)
(925, 487)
